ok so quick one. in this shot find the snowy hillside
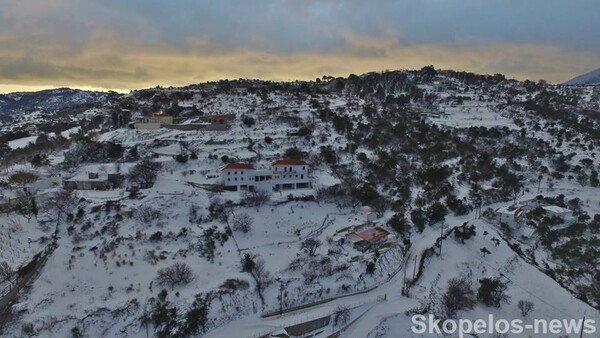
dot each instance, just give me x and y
(420, 180)
(51, 100)
(591, 78)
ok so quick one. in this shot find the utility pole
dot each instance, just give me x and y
(479, 204)
(581, 332)
(539, 182)
(281, 297)
(441, 239)
(403, 291)
(415, 268)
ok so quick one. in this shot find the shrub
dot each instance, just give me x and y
(459, 296)
(371, 268)
(492, 292)
(436, 213)
(398, 223)
(418, 218)
(175, 275)
(181, 158)
(249, 121)
(465, 233)
(243, 222)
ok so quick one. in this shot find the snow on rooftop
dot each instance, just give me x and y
(556, 209)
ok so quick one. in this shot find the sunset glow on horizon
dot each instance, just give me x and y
(124, 45)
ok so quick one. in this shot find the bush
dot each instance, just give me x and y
(157, 236)
(418, 218)
(492, 292)
(294, 154)
(243, 222)
(249, 121)
(398, 223)
(247, 263)
(181, 158)
(175, 275)
(22, 178)
(465, 233)
(436, 213)
(457, 206)
(147, 214)
(28, 329)
(371, 267)
(459, 296)
(234, 284)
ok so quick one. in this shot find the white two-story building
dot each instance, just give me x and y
(290, 174)
(281, 175)
(237, 176)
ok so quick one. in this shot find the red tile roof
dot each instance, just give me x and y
(373, 235)
(238, 166)
(289, 162)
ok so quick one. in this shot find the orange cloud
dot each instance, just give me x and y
(109, 62)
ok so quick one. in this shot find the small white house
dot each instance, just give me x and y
(512, 216)
(154, 121)
(554, 210)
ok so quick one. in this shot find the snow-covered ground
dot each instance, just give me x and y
(101, 277)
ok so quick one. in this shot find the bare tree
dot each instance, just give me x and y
(62, 203)
(341, 315)
(262, 276)
(144, 173)
(243, 222)
(459, 296)
(147, 214)
(175, 275)
(6, 273)
(310, 245)
(525, 306)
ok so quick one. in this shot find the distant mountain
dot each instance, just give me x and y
(51, 99)
(591, 78)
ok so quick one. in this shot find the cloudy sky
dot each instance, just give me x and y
(125, 44)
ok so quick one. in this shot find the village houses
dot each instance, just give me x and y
(154, 121)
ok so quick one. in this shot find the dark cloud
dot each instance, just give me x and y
(27, 68)
(96, 40)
